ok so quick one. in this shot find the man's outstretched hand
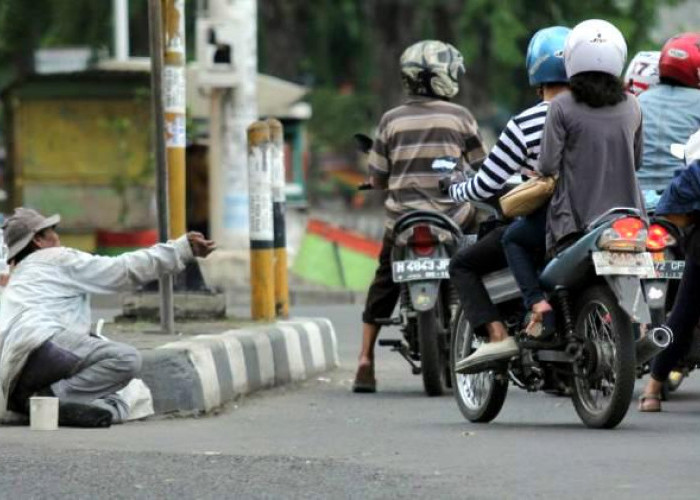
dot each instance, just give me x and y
(201, 247)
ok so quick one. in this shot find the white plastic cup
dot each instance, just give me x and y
(43, 413)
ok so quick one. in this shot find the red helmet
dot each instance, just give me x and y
(680, 59)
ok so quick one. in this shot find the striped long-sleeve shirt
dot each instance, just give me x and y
(517, 151)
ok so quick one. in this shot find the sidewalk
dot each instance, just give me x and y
(210, 364)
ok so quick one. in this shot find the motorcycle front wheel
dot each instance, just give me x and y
(603, 381)
(480, 396)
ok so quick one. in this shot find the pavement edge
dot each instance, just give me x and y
(204, 372)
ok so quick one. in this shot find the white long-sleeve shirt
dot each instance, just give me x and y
(517, 151)
(49, 292)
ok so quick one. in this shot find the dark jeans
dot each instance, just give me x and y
(468, 266)
(383, 293)
(685, 313)
(524, 246)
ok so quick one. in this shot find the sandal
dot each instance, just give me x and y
(539, 326)
(650, 403)
(364, 380)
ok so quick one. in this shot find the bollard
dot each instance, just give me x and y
(262, 284)
(276, 155)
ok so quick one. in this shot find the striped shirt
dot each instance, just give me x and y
(517, 151)
(417, 144)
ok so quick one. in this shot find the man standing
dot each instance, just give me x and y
(417, 144)
(45, 342)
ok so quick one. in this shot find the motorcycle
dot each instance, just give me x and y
(598, 290)
(423, 244)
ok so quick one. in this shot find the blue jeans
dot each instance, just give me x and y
(524, 246)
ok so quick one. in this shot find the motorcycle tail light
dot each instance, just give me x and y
(659, 238)
(423, 242)
(627, 234)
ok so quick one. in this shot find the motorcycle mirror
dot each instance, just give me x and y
(364, 143)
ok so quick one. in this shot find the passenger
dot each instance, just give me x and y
(516, 152)
(671, 110)
(592, 140)
(417, 144)
(682, 197)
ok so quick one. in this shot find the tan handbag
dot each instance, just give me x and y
(528, 196)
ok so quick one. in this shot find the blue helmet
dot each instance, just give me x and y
(545, 56)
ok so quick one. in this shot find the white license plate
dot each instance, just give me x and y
(421, 269)
(624, 263)
(670, 269)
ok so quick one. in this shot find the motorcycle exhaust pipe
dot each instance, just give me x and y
(652, 343)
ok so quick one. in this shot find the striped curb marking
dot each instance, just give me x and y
(207, 371)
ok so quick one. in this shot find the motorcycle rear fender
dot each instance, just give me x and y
(630, 296)
(655, 292)
(423, 294)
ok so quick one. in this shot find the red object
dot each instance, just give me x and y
(658, 237)
(628, 228)
(127, 239)
(422, 241)
(680, 59)
(347, 239)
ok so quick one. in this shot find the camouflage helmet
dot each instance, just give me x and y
(432, 68)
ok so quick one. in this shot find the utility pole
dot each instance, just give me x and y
(155, 28)
(175, 108)
(233, 109)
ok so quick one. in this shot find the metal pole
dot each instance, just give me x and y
(278, 214)
(155, 28)
(175, 108)
(121, 29)
(262, 276)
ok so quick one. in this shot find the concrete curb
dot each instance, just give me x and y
(203, 373)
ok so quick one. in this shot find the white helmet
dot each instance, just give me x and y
(642, 72)
(595, 45)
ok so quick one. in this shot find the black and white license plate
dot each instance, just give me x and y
(669, 269)
(421, 269)
(624, 263)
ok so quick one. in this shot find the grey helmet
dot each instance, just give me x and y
(432, 68)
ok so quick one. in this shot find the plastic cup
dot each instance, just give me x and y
(43, 413)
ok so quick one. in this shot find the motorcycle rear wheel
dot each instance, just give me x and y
(431, 359)
(603, 392)
(479, 396)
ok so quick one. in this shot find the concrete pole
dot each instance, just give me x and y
(120, 9)
(276, 155)
(262, 253)
(175, 108)
(234, 109)
(155, 28)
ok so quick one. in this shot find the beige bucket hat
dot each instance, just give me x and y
(20, 228)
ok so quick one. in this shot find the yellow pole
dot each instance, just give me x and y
(175, 108)
(262, 278)
(278, 213)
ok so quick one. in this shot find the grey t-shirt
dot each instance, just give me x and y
(596, 152)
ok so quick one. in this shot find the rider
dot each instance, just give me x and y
(516, 152)
(592, 140)
(671, 110)
(417, 143)
(682, 197)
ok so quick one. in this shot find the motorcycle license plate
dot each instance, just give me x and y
(624, 263)
(421, 269)
(670, 269)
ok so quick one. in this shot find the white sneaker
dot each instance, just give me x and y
(486, 355)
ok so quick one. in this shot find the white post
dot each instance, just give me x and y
(121, 29)
(236, 110)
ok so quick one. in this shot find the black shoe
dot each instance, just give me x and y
(82, 415)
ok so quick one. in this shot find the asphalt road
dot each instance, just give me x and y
(318, 440)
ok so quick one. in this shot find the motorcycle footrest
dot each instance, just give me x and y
(395, 343)
(387, 321)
